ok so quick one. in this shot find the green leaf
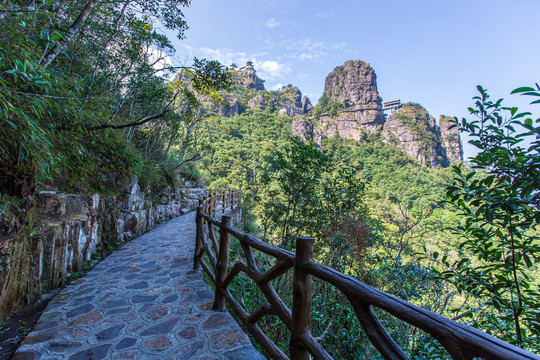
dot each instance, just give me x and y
(522, 89)
(11, 124)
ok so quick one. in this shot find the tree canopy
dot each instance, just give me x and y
(84, 86)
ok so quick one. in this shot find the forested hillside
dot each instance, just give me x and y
(89, 98)
(381, 215)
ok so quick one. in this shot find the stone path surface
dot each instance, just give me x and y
(144, 301)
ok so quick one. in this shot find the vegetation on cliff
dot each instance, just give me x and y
(84, 93)
(88, 97)
(403, 219)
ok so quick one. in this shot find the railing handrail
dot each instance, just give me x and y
(460, 340)
(226, 198)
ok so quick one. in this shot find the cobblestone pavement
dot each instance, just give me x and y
(144, 301)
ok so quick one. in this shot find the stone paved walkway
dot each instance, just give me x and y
(142, 302)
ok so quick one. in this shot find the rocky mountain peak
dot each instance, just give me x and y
(352, 107)
(248, 76)
(291, 95)
(353, 84)
(413, 130)
(450, 139)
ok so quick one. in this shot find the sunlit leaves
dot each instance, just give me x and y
(499, 200)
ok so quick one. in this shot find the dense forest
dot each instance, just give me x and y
(87, 99)
(437, 237)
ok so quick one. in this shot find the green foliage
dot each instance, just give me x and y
(289, 194)
(288, 95)
(499, 199)
(100, 108)
(327, 107)
(240, 147)
(417, 119)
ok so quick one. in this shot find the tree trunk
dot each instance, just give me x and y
(73, 29)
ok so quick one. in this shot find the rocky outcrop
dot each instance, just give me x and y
(291, 95)
(354, 85)
(230, 108)
(249, 78)
(414, 131)
(304, 129)
(292, 103)
(351, 108)
(257, 102)
(42, 246)
(450, 139)
(350, 105)
(306, 104)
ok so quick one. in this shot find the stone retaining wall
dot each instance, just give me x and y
(41, 247)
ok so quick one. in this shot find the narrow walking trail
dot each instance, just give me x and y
(144, 301)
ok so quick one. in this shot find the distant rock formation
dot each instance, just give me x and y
(231, 107)
(450, 140)
(412, 129)
(352, 107)
(292, 103)
(354, 85)
(250, 78)
(257, 102)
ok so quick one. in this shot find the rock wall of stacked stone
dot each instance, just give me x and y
(43, 245)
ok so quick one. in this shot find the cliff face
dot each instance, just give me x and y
(352, 107)
(412, 129)
(42, 246)
(230, 108)
(450, 139)
(257, 102)
(354, 85)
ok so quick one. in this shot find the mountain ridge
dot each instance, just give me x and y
(351, 108)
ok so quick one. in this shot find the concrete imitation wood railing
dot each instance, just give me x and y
(461, 341)
(221, 200)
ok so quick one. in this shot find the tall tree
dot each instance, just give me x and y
(500, 202)
(71, 71)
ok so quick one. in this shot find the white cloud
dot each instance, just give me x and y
(225, 56)
(310, 50)
(266, 69)
(278, 86)
(271, 70)
(272, 23)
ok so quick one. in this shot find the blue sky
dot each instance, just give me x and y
(430, 52)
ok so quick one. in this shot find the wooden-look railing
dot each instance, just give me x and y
(221, 200)
(461, 341)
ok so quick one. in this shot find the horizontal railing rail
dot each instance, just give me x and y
(221, 200)
(462, 342)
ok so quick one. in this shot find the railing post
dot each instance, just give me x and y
(211, 203)
(198, 235)
(223, 201)
(222, 263)
(301, 307)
